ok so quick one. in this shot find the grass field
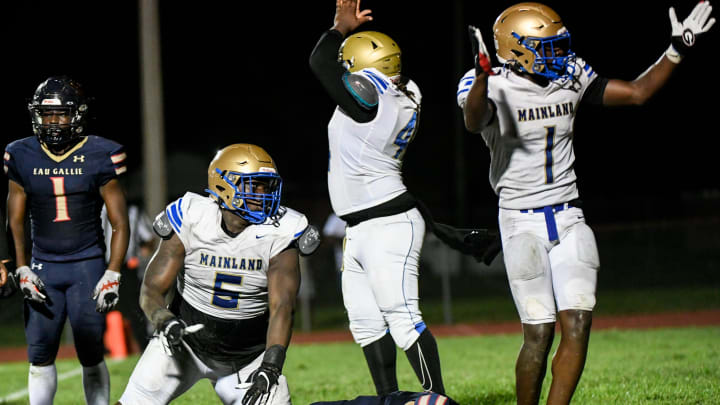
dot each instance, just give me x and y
(663, 366)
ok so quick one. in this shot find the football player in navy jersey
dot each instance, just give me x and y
(62, 177)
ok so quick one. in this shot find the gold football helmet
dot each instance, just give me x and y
(371, 49)
(533, 38)
(243, 179)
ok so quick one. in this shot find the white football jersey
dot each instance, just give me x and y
(530, 140)
(225, 276)
(366, 158)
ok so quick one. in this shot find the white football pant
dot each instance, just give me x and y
(546, 277)
(159, 378)
(380, 278)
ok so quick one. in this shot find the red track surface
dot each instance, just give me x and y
(651, 321)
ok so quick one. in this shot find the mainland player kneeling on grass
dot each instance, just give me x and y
(235, 257)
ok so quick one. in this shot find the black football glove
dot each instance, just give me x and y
(485, 244)
(171, 334)
(697, 23)
(262, 381)
(265, 378)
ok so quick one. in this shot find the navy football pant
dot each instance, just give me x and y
(69, 287)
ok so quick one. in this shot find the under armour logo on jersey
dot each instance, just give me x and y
(36, 266)
(79, 158)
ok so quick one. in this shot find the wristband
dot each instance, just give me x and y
(673, 55)
(275, 357)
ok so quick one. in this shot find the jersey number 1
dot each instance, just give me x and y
(61, 208)
(549, 145)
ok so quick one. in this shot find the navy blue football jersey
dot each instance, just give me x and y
(63, 194)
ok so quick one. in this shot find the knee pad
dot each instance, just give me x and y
(527, 264)
(576, 277)
(404, 333)
(41, 354)
(90, 354)
(366, 331)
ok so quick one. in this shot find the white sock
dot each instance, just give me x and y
(96, 382)
(42, 384)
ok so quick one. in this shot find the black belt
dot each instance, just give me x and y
(397, 205)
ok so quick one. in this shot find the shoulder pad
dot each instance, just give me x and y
(362, 90)
(309, 241)
(162, 226)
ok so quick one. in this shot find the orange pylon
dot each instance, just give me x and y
(114, 338)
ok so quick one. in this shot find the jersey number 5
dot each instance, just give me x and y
(226, 298)
(61, 208)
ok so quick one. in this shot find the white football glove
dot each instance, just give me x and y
(107, 291)
(685, 34)
(481, 57)
(171, 334)
(30, 284)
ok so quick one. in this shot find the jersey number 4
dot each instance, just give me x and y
(405, 136)
(61, 207)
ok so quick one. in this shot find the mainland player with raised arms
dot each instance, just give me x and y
(525, 112)
(234, 255)
(377, 116)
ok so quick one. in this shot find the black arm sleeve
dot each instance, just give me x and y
(324, 64)
(594, 93)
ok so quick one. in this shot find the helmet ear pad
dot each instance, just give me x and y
(243, 179)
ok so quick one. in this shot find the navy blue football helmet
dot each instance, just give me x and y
(60, 95)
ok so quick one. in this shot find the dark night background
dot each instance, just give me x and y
(238, 72)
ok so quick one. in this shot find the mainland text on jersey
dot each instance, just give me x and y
(236, 263)
(550, 111)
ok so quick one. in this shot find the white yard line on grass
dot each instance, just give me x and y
(61, 377)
